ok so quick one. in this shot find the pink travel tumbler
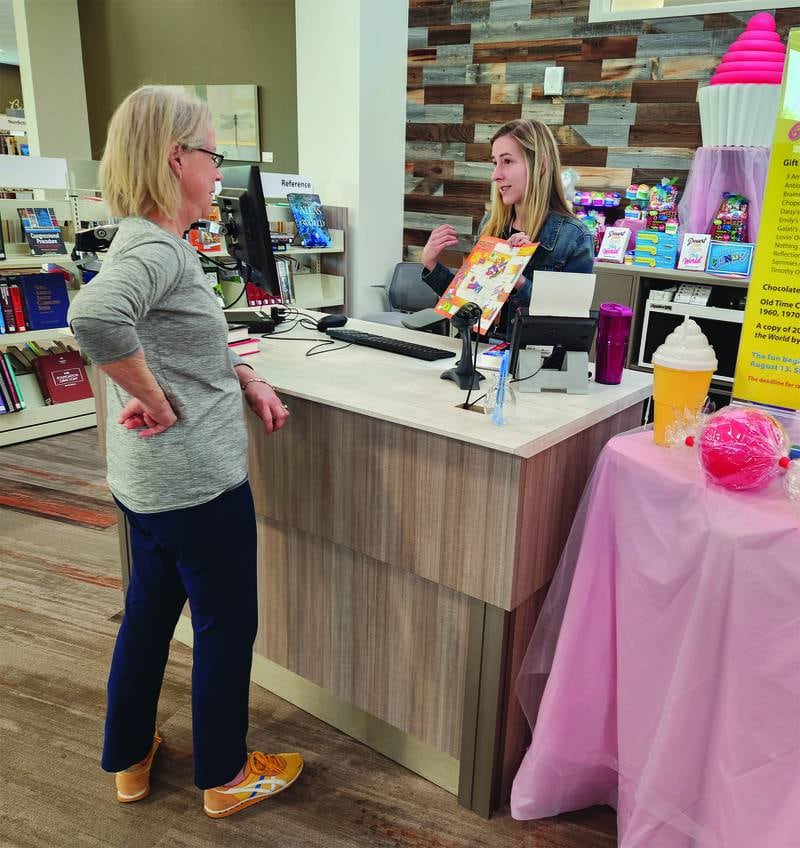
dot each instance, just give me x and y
(613, 330)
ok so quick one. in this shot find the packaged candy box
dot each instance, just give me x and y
(656, 249)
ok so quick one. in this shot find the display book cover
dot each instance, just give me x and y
(46, 300)
(41, 229)
(62, 377)
(486, 278)
(309, 220)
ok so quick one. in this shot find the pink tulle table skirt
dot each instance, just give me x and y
(716, 170)
(672, 636)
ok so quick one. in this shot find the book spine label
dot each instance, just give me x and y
(40, 376)
(5, 396)
(16, 303)
(8, 310)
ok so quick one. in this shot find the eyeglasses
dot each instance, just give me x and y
(216, 158)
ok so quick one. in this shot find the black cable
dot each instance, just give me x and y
(240, 270)
(285, 338)
(477, 400)
(474, 366)
(522, 379)
(314, 352)
(515, 380)
(207, 258)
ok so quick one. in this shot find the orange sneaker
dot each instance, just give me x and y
(264, 775)
(133, 784)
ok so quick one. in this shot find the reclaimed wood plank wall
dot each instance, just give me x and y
(628, 112)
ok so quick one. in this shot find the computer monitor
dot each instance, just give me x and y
(562, 334)
(243, 211)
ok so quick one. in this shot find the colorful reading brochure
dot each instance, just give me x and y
(486, 278)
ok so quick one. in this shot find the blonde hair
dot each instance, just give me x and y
(135, 175)
(544, 191)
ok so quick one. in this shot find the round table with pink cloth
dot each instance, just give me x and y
(671, 634)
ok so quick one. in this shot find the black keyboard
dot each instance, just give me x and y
(404, 348)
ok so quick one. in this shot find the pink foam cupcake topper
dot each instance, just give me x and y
(757, 55)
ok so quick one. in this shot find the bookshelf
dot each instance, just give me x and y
(38, 419)
(45, 182)
(321, 283)
(70, 188)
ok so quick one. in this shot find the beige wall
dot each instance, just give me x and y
(10, 85)
(213, 42)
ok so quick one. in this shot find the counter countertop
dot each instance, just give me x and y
(409, 391)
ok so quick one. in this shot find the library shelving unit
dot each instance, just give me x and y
(320, 281)
(49, 181)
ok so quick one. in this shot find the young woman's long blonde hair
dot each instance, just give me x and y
(135, 176)
(544, 191)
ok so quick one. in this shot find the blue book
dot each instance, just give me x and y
(309, 220)
(46, 300)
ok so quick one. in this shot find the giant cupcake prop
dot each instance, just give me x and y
(739, 107)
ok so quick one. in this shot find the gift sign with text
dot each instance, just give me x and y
(768, 364)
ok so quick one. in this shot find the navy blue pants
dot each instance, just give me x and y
(207, 554)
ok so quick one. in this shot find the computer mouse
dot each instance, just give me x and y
(325, 324)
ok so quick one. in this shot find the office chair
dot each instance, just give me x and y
(406, 294)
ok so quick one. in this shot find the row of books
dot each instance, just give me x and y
(33, 302)
(59, 370)
(286, 281)
(256, 296)
(38, 226)
(12, 145)
(16, 194)
(15, 231)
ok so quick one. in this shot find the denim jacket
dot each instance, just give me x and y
(564, 245)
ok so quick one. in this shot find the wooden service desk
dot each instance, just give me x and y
(405, 546)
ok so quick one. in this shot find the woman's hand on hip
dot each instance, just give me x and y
(440, 239)
(154, 417)
(261, 398)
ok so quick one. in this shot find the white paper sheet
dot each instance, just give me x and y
(561, 294)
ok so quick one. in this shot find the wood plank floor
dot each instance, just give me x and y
(60, 600)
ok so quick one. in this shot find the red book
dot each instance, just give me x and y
(62, 377)
(16, 305)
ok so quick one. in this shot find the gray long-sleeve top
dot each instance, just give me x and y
(152, 294)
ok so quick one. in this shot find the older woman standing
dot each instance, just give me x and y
(177, 455)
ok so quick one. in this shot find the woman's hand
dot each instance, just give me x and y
(440, 239)
(261, 398)
(155, 417)
(519, 239)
